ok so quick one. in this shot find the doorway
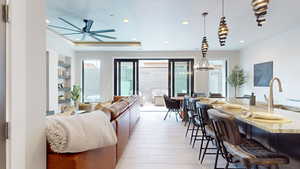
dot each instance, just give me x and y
(153, 81)
(153, 77)
(2, 92)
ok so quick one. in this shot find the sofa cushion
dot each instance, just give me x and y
(117, 108)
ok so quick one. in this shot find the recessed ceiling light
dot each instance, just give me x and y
(166, 42)
(242, 41)
(185, 22)
(125, 20)
(47, 21)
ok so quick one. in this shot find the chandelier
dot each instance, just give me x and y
(203, 64)
(223, 28)
(260, 8)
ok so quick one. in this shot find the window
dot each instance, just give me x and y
(217, 77)
(91, 87)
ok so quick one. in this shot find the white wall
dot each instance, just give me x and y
(107, 57)
(57, 46)
(26, 89)
(284, 50)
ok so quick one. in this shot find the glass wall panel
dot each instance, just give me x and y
(91, 81)
(126, 77)
(217, 77)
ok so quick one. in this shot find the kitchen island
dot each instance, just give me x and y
(278, 135)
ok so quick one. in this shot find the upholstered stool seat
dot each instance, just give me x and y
(210, 131)
(251, 153)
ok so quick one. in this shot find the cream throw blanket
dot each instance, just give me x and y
(78, 133)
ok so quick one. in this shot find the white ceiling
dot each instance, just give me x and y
(155, 21)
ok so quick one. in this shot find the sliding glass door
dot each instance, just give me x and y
(125, 77)
(181, 76)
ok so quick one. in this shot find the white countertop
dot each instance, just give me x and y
(292, 126)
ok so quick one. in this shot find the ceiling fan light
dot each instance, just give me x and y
(260, 8)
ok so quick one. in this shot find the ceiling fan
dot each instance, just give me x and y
(85, 31)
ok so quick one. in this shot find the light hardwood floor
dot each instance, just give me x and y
(159, 144)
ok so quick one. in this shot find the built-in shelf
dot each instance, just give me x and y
(66, 89)
(66, 101)
(64, 65)
(64, 80)
(64, 77)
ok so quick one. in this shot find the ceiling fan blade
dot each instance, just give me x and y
(72, 33)
(104, 36)
(92, 36)
(59, 27)
(103, 31)
(83, 37)
(69, 23)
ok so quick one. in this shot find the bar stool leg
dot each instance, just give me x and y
(188, 128)
(201, 147)
(227, 165)
(192, 135)
(197, 130)
(208, 141)
(217, 158)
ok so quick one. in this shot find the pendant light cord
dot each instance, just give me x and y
(223, 8)
(204, 25)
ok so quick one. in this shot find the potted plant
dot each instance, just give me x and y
(75, 95)
(237, 78)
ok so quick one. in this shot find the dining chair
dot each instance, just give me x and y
(172, 106)
(235, 148)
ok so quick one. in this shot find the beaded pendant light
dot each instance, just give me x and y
(223, 28)
(204, 65)
(260, 8)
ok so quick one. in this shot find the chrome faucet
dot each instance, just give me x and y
(271, 95)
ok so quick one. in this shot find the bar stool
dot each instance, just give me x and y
(187, 111)
(235, 148)
(204, 124)
(192, 114)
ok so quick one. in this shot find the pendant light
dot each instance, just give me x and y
(204, 65)
(223, 28)
(260, 8)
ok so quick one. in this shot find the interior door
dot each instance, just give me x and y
(2, 91)
(181, 76)
(126, 77)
